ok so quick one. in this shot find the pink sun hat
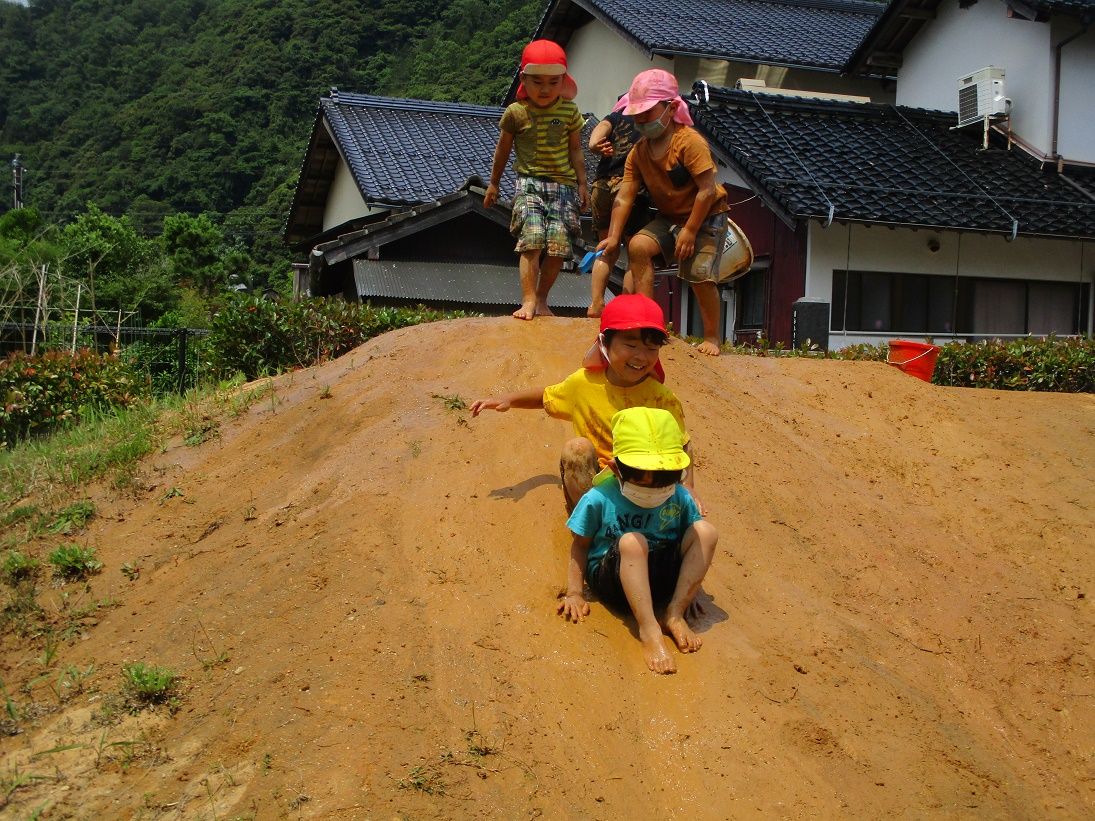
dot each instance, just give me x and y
(547, 57)
(650, 87)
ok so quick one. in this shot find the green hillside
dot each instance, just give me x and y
(153, 107)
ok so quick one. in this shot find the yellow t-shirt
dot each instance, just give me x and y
(541, 138)
(588, 400)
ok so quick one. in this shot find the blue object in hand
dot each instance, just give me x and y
(586, 265)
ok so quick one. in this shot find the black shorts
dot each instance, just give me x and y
(663, 567)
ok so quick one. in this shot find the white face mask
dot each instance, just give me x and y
(648, 497)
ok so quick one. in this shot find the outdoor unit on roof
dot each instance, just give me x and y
(981, 95)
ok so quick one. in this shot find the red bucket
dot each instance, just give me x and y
(914, 358)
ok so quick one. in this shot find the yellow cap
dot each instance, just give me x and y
(648, 439)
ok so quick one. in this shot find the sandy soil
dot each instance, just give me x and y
(358, 583)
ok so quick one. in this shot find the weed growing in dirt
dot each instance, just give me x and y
(18, 567)
(131, 571)
(416, 448)
(13, 780)
(209, 662)
(73, 518)
(72, 681)
(18, 514)
(425, 778)
(149, 685)
(453, 403)
(72, 562)
(22, 614)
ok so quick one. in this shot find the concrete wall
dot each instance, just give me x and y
(903, 250)
(961, 41)
(1076, 138)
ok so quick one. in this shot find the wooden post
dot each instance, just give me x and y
(76, 316)
(38, 308)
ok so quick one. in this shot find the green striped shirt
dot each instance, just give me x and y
(541, 138)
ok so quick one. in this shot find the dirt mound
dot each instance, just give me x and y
(358, 582)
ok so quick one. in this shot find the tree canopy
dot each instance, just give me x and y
(149, 109)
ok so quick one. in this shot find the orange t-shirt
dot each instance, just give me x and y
(671, 179)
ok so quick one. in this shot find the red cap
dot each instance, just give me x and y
(629, 311)
(547, 57)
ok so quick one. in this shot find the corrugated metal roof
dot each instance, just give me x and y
(473, 284)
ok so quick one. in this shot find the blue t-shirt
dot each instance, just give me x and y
(604, 515)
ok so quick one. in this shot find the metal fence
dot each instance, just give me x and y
(166, 359)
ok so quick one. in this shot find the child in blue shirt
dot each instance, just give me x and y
(640, 541)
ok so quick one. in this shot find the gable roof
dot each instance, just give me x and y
(881, 48)
(816, 34)
(890, 165)
(400, 152)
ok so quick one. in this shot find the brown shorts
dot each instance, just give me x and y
(703, 265)
(601, 196)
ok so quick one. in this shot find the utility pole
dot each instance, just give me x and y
(17, 182)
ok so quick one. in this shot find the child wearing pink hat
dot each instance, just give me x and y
(674, 163)
(544, 127)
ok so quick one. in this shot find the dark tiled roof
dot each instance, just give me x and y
(1079, 8)
(403, 152)
(475, 284)
(890, 165)
(813, 33)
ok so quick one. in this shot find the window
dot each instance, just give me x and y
(880, 302)
(750, 300)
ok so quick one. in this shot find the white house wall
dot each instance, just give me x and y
(903, 250)
(961, 41)
(344, 201)
(603, 65)
(1076, 138)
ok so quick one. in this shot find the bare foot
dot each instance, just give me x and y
(677, 627)
(709, 347)
(542, 309)
(526, 311)
(595, 309)
(656, 653)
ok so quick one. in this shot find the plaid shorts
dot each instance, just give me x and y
(545, 215)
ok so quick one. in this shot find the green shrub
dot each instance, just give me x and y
(18, 567)
(71, 561)
(37, 393)
(147, 684)
(257, 337)
(1026, 364)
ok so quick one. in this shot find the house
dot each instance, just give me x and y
(802, 44)
(843, 165)
(389, 208)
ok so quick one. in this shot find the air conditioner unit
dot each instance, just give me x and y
(981, 95)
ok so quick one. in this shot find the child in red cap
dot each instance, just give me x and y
(632, 334)
(544, 126)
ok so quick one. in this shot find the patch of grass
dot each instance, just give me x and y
(22, 615)
(148, 684)
(453, 403)
(19, 514)
(18, 567)
(72, 562)
(425, 778)
(73, 518)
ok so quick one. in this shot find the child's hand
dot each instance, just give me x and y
(573, 607)
(604, 148)
(583, 198)
(686, 244)
(609, 250)
(500, 404)
(491, 196)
